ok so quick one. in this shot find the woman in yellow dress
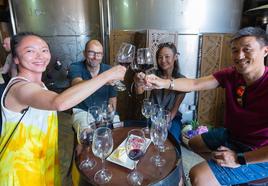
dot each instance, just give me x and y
(30, 156)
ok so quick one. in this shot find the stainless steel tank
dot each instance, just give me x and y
(184, 16)
(65, 24)
(189, 18)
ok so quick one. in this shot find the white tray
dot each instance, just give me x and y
(123, 159)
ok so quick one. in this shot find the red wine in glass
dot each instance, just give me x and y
(145, 67)
(125, 64)
(135, 148)
(135, 154)
(85, 140)
(85, 137)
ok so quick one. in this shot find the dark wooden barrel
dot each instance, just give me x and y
(168, 175)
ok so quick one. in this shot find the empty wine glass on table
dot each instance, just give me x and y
(146, 111)
(102, 146)
(156, 111)
(164, 116)
(158, 134)
(94, 115)
(108, 112)
(85, 137)
(125, 56)
(135, 148)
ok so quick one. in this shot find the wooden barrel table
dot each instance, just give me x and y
(168, 175)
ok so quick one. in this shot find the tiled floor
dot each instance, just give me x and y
(66, 145)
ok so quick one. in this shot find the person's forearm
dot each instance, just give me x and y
(188, 85)
(77, 93)
(257, 156)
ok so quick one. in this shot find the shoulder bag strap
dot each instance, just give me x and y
(24, 112)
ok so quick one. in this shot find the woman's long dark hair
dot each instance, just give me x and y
(174, 50)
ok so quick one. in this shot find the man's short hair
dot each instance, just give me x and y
(257, 32)
(93, 41)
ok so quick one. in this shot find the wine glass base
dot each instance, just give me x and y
(158, 161)
(87, 164)
(135, 178)
(103, 176)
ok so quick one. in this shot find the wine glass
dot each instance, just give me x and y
(102, 146)
(94, 115)
(134, 66)
(156, 112)
(108, 112)
(85, 137)
(158, 134)
(135, 148)
(164, 116)
(125, 56)
(146, 111)
(145, 61)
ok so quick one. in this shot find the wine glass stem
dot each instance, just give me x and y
(103, 163)
(87, 151)
(147, 123)
(135, 165)
(146, 94)
(158, 152)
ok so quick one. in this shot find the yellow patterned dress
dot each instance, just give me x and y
(31, 156)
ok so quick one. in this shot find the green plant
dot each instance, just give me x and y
(194, 124)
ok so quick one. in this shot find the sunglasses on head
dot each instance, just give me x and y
(168, 45)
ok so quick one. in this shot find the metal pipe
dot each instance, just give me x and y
(12, 17)
(101, 8)
(108, 18)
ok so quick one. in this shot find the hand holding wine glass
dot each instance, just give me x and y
(102, 146)
(135, 148)
(156, 82)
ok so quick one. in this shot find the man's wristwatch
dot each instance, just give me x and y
(241, 159)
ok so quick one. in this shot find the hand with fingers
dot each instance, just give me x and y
(225, 157)
(156, 82)
(139, 79)
(117, 73)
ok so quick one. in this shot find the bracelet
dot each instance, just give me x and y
(171, 85)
